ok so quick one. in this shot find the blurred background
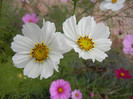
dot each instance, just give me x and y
(85, 75)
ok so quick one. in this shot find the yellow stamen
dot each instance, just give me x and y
(122, 74)
(114, 1)
(85, 42)
(30, 20)
(60, 90)
(76, 95)
(39, 52)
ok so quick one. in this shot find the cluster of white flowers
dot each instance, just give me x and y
(40, 49)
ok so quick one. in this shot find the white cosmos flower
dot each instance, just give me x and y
(114, 5)
(87, 38)
(39, 50)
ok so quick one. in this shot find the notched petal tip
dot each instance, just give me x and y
(43, 21)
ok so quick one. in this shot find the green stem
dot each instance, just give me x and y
(75, 6)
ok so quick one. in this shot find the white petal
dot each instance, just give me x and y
(55, 58)
(102, 5)
(22, 44)
(103, 44)
(108, 5)
(62, 41)
(120, 1)
(54, 45)
(36, 70)
(86, 55)
(47, 30)
(32, 31)
(92, 56)
(86, 25)
(54, 64)
(20, 60)
(47, 70)
(100, 31)
(58, 43)
(98, 55)
(78, 50)
(32, 69)
(117, 7)
(70, 28)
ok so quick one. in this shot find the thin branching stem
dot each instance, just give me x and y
(115, 15)
(0, 6)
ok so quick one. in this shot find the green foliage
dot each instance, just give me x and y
(10, 25)
(58, 15)
(80, 77)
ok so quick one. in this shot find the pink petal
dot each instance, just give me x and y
(65, 94)
(33, 15)
(129, 38)
(127, 44)
(126, 50)
(131, 51)
(116, 71)
(122, 70)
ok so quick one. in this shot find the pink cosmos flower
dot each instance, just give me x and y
(131, 97)
(64, 0)
(121, 73)
(91, 95)
(30, 18)
(128, 44)
(60, 89)
(76, 94)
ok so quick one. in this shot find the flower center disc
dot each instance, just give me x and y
(40, 52)
(76, 95)
(114, 1)
(60, 90)
(30, 20)
(122, 74)
(132, 45)
(85, 42)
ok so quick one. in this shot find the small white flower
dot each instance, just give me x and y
(87, 38)
(114, 5)
(39, 50)
(27, 1)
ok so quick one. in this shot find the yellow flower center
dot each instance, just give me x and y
(122, 74)
(114, 1)
(60, 90)
(85, 42)
(76, 95)
(40, 52)
(30, 20)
